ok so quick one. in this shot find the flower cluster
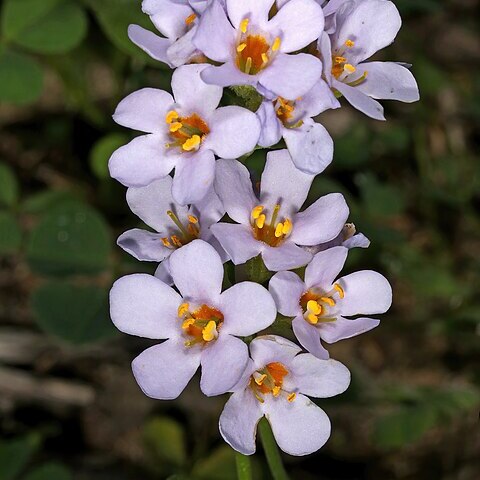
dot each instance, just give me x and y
(286, 61)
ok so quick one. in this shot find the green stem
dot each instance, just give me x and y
(272, 453)
(244, 467)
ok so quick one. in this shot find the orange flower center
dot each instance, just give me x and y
(269, 380)
(200, 326)
(317, 307)
(185, 234)
(187, 133)
(342, 69)
(271, 232)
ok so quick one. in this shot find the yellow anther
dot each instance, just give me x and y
(276, 44)
(209, 332)
(340, 59)
(265, 58)
(311, 318)
(291, 397)
(257, 211)
(314, 307)
(193, 219)
(176, 241)
(279, 230)
(340, 290)
(175, 126)
(260, 379)
(241, 47)
(248, 65)
(329, 301)
(190, 19)
(188, 323)
(287, 226)
(276, 391)
(244, 25)
(349, 44)
(172, 115)
(349, 68)
(260, 221)
(183, 309)
(192, 143)
(165, 242)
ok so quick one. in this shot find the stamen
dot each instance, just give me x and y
(265, 58)
(176, 241)
(291, 397)
(275, 215)
(175, 126)
(178, 223)
(349, 68)
(287, 226)
(257, 211)
(260, 379)
(193, 219)
(183, 309)
(349, 43)
(190, 19)
(165, 242)
(248, 65)
(340, 59)
(260, 221)
(171, 116)
(276, 44)
(311, 318)
(279, 230)
(314, 307)
(340, 290)
(192, 143)
(210, 331)
(241, 47)
(244, 25)
(276, 391)
(359, 80)
(329, 301)
(188, 323)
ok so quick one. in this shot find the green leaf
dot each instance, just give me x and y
(220, 465)
(19, 15)
(10, 234)
(42, 201)
(61, 30)
(75, 314)
(21, 78)
(102, 151)
(71, 239)
(49, 471)
(115, 16)
(165, 440)
(8, 186)
(15, 454)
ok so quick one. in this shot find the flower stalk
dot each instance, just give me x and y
(272, 453)
(244, 466)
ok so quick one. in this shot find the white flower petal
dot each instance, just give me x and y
(234, 187)
(163, 371)
(223, 362)
(197, 271)
(366, 293)
(271, 132)
(325, 267)
(238, 241)
(150, 43)
(310, 146)
(168, 17)
(234, 131)
(360, 101)
(163, 272)
(248, 308)
(309, 337)
(286, 289)
(239, 419)
(144, 110)
(284, 184)
(192, 94)
(300, 22)
(320, 222)
(228, 74)
(266, 349)
(183, 50)
(255, 10)
(388, 80)
(141, 161)
(319, 378)
(299, 427)
(194, 176)
(142, 305)
(144, 246)
(343, 328)
(285, 257)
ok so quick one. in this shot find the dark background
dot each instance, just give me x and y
(69, 407)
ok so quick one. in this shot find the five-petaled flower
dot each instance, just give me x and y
(272, 226)
(321, 303)
(201, 324)
(362, 28)
(275, 385)
(254, 49)
(175, 225)
(184, 134)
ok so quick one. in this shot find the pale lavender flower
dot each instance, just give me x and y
(175, 225)
(275, 385)
(362, 28)
(321, 303)
(308, 142)
(201, 324)
(272, 225)
(184, 132)
(254, 49)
